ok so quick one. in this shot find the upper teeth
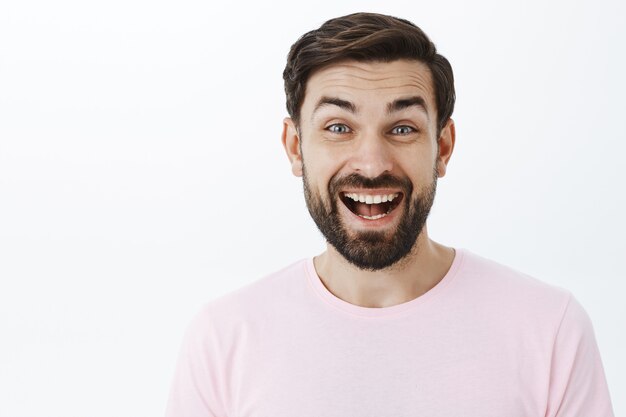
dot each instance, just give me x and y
(372, 199)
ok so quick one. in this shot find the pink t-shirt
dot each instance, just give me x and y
(486, 341)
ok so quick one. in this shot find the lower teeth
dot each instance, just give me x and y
(378, 216)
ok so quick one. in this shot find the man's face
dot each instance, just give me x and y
(367, 151)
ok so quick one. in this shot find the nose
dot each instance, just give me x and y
(371, 156)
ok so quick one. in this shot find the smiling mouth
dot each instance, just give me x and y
(371, 206)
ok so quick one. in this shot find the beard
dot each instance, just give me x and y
(371, 250)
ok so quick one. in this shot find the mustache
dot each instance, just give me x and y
(358, 181)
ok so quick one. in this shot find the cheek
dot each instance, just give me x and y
(321, 167)
(318, 176)
(420, 170)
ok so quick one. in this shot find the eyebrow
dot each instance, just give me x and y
(405, 103)
(334, 101)
(395, 106)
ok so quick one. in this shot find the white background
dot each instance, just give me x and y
(141, 174)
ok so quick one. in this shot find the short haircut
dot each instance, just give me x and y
(366, 37)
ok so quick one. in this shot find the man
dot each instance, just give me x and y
(386, 322)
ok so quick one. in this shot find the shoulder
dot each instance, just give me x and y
(484, 274)
(515, 294)
(254, 300)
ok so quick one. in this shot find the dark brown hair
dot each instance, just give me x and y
(366, 37)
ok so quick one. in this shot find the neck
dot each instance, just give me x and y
(412, 276)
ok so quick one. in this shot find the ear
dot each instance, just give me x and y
(446, 146)
(291, 143)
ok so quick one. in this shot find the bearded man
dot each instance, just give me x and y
(386, 322)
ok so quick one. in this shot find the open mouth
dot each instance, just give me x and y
(371, 206)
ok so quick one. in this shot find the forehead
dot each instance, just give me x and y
(360, 81)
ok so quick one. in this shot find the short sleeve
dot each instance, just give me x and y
(577, 381)
(196, 388)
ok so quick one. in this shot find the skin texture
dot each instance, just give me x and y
(348, 127)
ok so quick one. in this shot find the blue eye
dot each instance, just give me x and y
(402, 130)
(338, 128)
